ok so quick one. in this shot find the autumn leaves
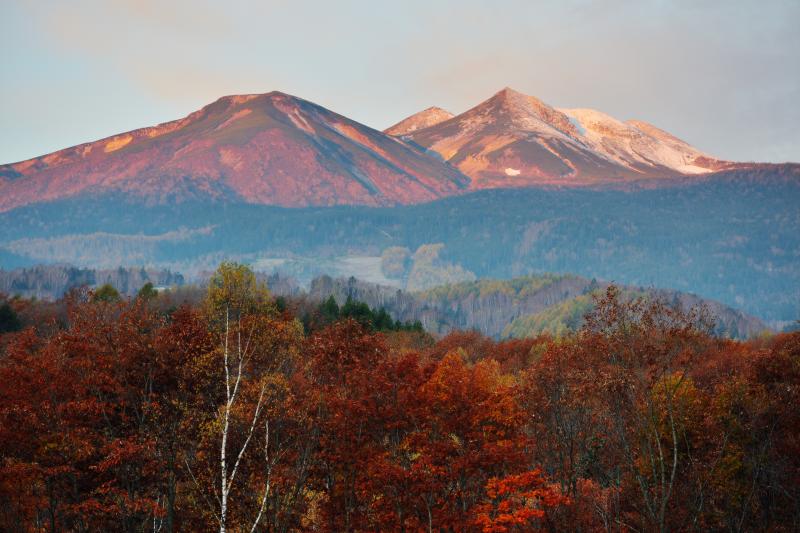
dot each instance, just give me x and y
(226, 414)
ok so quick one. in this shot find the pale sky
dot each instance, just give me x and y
(722, 75)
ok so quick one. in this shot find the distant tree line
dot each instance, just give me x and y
(329, 312)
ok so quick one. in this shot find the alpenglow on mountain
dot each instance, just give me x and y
(515, 140)
(277, 149)
(265, 149)
(417, 121)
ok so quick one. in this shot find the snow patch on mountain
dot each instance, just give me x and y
(635, 144)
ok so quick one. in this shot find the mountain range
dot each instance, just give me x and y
(277, 149)
(515, 140)
(511, 187)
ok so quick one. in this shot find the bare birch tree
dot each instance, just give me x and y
(252, 359)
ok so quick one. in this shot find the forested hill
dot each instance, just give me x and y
(519, 307)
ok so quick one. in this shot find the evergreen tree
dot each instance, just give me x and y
(9, 321)
(383, 322)
(106, 293)
(147, 292)
(358, 311)
(329, 310)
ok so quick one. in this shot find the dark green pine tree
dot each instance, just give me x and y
(9, 321)
(147, 292)
(329, 310)
(106, 293)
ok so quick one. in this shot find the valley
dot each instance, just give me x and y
(730, 237)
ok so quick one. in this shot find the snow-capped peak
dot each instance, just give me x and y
(526, 111)
(636, 144)
(519, 136)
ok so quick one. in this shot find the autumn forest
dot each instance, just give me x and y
(234, 410)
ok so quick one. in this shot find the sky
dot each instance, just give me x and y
(722, 75)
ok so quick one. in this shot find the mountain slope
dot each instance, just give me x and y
(637, 144)
(269, 149)
(514, 140)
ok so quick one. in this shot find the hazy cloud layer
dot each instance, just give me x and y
(724, 76)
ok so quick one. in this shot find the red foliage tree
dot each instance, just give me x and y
(517, 502)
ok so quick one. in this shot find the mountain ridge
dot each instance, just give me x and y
(271, 148)
(278, 149)
(517, 140)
